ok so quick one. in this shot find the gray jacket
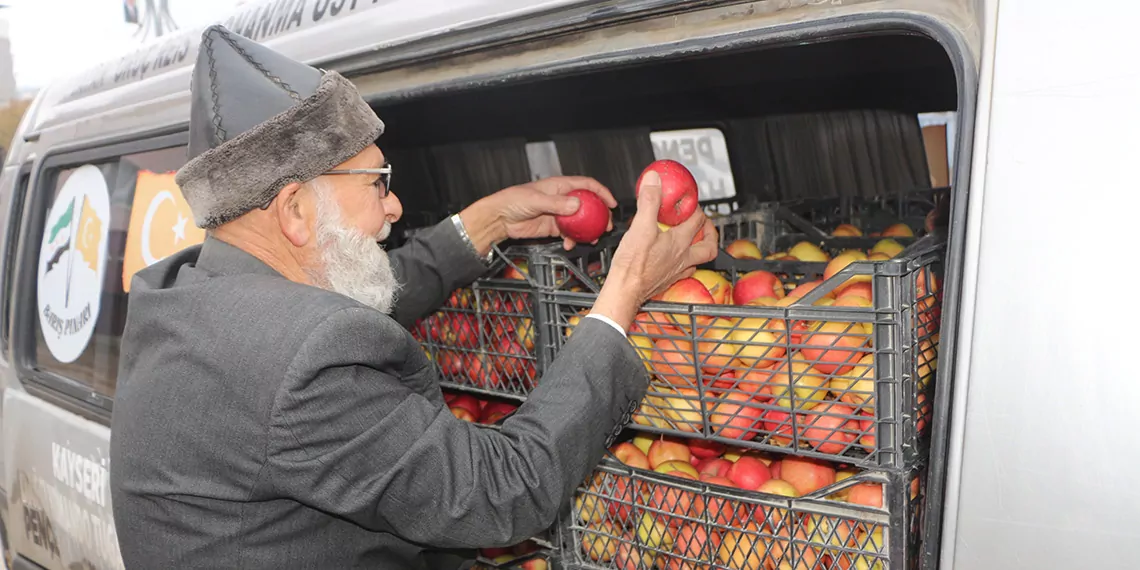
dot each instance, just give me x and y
(260, 423)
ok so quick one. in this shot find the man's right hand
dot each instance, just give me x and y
(648, 260)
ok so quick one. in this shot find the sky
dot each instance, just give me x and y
(54, 38)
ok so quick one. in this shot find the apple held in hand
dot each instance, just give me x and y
(678, 191)
(589, 222)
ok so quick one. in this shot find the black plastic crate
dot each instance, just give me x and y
(840, 379)
(624, 517)
(485, 338)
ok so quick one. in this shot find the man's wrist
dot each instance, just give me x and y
(616, 302)
(484, 226)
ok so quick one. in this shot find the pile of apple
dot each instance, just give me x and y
(477, 410)
(502, 357)
(628, 521)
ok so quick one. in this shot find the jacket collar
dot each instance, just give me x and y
(220, 258)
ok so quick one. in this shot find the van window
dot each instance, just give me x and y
(105, 220)
(11, 239)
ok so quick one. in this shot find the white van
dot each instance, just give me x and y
(1036, 378)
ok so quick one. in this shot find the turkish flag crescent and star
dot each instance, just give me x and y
(161, 224)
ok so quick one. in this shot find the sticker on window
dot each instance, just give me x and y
(161, 224)
(73, 260)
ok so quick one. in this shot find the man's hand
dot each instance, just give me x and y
(527, 211)
(649, 260)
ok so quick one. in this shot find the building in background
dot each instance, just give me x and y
(7, 69)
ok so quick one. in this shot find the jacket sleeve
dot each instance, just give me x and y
(430, 266)
(348, 438)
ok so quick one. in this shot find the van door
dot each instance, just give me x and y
(93, 218)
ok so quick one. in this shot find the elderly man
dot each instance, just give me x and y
(274, 412)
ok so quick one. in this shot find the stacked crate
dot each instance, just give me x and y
(833, 394)
(841, 393)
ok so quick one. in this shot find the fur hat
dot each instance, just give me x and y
(258, 121)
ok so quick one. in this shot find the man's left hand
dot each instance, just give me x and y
(527, 211)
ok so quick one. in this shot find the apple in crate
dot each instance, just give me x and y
(630, 455)
(653, 532)
(717, 285)
(836, 347)
(679, 197)
(898, 230)
(743, 249)
(705, 449)
(840, 262)
(688, 291)
(673, 362)
(494, 411)
(743, 550)
(665, 450)
(735, 416)
(679, 502)
(806, 475)
(717, 467)
(867, 494)
(826, 427)
(749, 473)
(600, 542)
(466, 408)
(757, 284)
(888, 247)
(846, 230)
(692, 541)
(631, 556)
(803, 388)
(589, 222)
(807, 251)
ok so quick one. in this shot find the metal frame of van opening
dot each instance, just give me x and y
(66, 393)
(891, 22)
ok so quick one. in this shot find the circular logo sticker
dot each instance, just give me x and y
(73, 258)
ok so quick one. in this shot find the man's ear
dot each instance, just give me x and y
(296, 213)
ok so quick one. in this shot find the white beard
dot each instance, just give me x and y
(353, 264)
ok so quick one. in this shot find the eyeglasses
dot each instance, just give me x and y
(384, 181)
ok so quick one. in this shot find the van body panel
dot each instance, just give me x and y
(1047, 385)
(56, 467)
(393, 50)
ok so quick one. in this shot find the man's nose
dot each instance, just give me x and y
(393, 209)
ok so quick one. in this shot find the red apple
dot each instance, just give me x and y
(450, 363)
(806, 475)
(704, 449)
(673, 362)
(749, 473)
(480, 371)
(462, 331)
(898, 230)
(630, 455)
(494, 411)
(869, 494)
(630, 556)
(778, 487)
(690, 292)
(589, 222)
(861, 290)
(743, 249)
(464, 415)
(846, 230)
(774, 468)
(517, 274)
(666, 450)
(723, 512)
(692, 542)
(735, 417)
(718, 286)
(835, 347)
(679, 502)
(678, 191)
(826, 427)
(469, 403)
(717, 467)
(757, 284)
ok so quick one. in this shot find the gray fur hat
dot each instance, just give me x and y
(258, 121)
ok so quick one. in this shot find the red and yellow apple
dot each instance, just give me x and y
(807, 251)
(757, 284)
(743, 249)
(806, 475)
